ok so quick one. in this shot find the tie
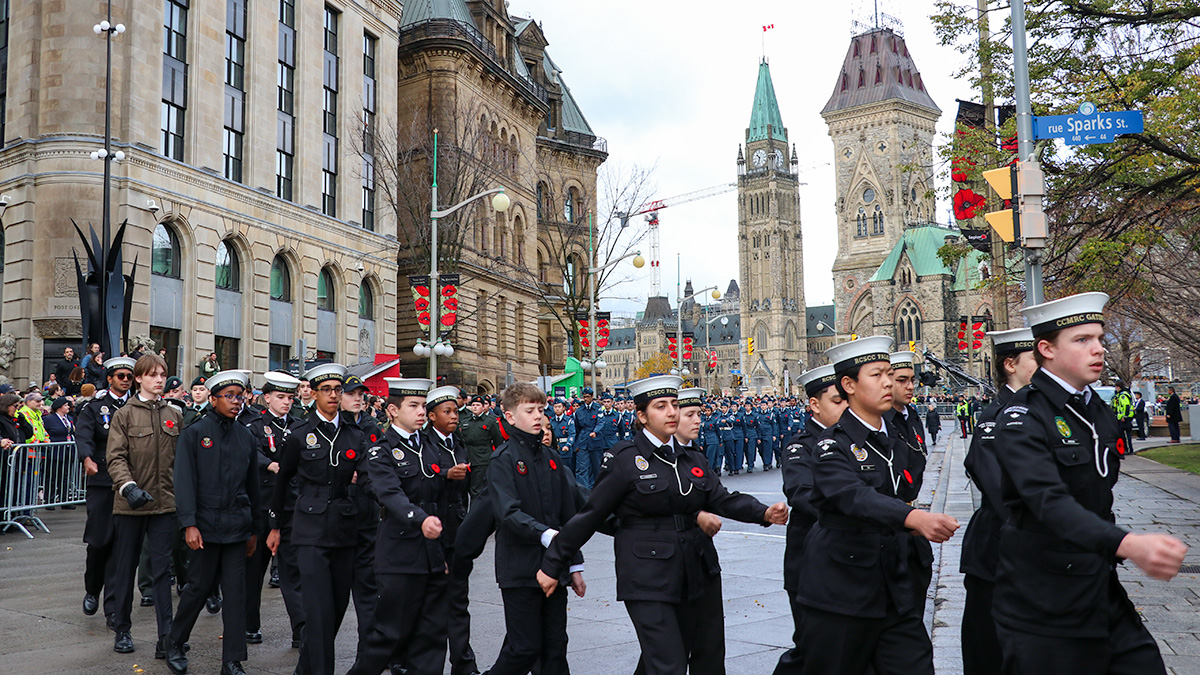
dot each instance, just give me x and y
(1077, 401)
(327, 428)
(876, 440)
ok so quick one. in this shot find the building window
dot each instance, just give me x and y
(329, 123)
(278, 357)
(370, 47)
(860, 222)
(908, 323)
(569, 277)
(569, 206)
(235, 88)
(325, 291)
(228, 271)
(227, 351)
(281, 280)
(877, 220)
(366, 302)
(543, 206)
(174, 95)
(164, 255)
(285, 85)
(3, 67)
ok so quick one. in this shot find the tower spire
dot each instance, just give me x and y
(765, 121)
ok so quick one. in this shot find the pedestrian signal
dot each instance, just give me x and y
(749, 345)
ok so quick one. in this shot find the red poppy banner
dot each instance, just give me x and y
(419, 283)
(448, 294)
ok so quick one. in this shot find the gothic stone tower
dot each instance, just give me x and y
(882, 121)
(770, 246)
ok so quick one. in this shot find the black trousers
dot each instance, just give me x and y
(980, 646)
(409, 625)
(458, 624)
(849, 645)
(256, 569)
(1129, 649)
(791, 661)
(289, 576)
(536, 630)
(226, 564)
(128, 532)
(326, 575)
(688, 636)
(365, 590)
(179, 558)
(98, 535)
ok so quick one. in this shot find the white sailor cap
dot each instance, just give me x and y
(408, 386)
(902, 360)
(1006, 342)
(692, 396)
(324, 372)
(227, 378)
(281, 382)
(1072, 310)
(117, 362)
(858, 352)
(654, 387)
(439, 396)
(816, 380)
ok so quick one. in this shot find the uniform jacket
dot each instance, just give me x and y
(710, 429)
(661, 554)
(586, 416)
(856, 557)
(481, 436)
(627, 425)
(408, 479)
(564, 431)
(326, 513)
(56, 430)
(270, 433)
(91, 434)
(796, 466)
(981, 541)
(529, 493)
(368, 510)
(456, 491)
(725, 426)
(216, 480)
(193, 413)
(1058, 550)
(141, 448)
(607, 429)
(749, 420)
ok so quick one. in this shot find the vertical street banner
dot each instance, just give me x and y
(688, 340)
(448, 297)
(672, 344)
(602, 333)
(419, 283)
(582, 319)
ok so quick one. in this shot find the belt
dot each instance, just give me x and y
(837, 521)
(676, 523)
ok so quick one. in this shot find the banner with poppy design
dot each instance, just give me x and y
(448, 297)
(419, 283)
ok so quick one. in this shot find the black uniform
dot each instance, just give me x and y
(216, 491)
(1058, 604)
(907, 425)
(193, 413)
(668, 574)
(323, 457)
(530, 493)
(859, 599)
(365, 590)
(408, 478)
(458, 625)
(796, 466)
(981, 546)
(270, 434)
(91, 440)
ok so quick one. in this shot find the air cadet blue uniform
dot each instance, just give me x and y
(766, 436)
(750, 432)
(626, 423)
(585, 423)
(564, 431)
(711, 433)
(606, 435)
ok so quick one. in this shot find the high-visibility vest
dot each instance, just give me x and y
(1122, 405)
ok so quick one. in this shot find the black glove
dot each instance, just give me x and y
(136, 496)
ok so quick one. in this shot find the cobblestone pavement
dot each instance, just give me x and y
(45, 631)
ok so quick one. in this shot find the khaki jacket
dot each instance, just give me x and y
(141, 448)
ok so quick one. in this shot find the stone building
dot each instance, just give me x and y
(888, 278)
(248, 214)
(770, 243)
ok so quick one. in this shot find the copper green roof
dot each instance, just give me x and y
(766, 109)
(572, 116)
(921, 245)
(416, 11)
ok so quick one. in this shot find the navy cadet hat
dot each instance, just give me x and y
(228, 378)
(816, 380)
(325, 372)
(1011, 342)
(1072, 310)
(654, 387)
(856, 353)
(281, 382)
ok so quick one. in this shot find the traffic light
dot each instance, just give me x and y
(912, 345)
(1014, 184)
(749, 345)
(737, 381)
(853, 336)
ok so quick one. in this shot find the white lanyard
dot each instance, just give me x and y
(1095, 444)
(674, 469)
(334, 457)
(415, 447)
(891, 471)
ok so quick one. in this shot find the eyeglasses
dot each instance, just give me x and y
(229, 397)
(330, 391)
(123, 376)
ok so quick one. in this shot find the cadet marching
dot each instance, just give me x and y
(391, 512)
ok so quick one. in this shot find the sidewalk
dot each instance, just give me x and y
(1150, 497)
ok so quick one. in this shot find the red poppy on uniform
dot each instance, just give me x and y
(908, 477)
(697, 472)
(170, 424)
(1120, 446)
(436, 468)
(553, 465)
(350, 454)
(372, 438)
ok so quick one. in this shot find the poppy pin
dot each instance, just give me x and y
(697, 472)
(908, 477)
(1120, 446)
(350, 454)
(170, 424)
(436, 468)
(372, 438)
(553, 465)
(485, 427)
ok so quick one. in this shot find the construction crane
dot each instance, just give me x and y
(652, 208)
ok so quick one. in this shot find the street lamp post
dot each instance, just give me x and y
(107, 28)
(436, 346)
(716, 295)
(593, 364)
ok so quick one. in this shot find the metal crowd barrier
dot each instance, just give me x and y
(37, 476)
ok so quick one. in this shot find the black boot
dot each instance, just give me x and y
(90, 604)
(123, 643)
(213, 604)
(253, 637)
(232, 668)
(176, 658)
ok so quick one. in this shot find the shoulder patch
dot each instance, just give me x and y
(641, 463)
(826, 443)
(1015, 409)
(374, 452)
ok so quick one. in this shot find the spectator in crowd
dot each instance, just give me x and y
(75, 381)
(62, 369)
(1174, 414)
(94, 367)
(14, 429)
(209, 366)
(50, 382)
(32, 412)
(60, 427)
(86, 393)
(57, 461)
(52, 390)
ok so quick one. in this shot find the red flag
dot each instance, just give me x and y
(768, 27)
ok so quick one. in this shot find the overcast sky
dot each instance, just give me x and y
(670, 83)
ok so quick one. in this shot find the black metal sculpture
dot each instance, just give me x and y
(105, 293)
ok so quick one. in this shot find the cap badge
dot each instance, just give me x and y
(521, 468)
(641, 463)
(206, 442)
(859, 453)
(1063, 428)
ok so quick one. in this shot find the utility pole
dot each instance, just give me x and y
(1031, 204)
(999, 266)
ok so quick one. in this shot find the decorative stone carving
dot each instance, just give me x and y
(57, 328)
(65, 285)
(8, 350)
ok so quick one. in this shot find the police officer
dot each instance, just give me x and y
(1058, 605)
(564, 430)
(480, 433)
(905, 422)
(668, 575)
(91, 444)
(217, 505)
(364, 590)
(585, 438)
(325, 456)
(1015, 365)
(1122, 405)
(859, 605)
(796, 467)
(409, 476)
(270, 432)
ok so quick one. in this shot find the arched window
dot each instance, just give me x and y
(325, 291)
(281, 280)
(908, 323)
(543, 203)
(366, 302)
(861, 223)
(164, 257)
(519, 240)
(877, 220)
(569, 206)
(229, 269)
(543, 268)
(569, 278)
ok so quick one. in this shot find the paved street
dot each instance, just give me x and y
(45, 630)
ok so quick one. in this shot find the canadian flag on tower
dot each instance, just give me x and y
(768, 27)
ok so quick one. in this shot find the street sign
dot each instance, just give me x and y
(1101, 127)
(735, 372)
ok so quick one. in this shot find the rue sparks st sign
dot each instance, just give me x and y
(1088, 127)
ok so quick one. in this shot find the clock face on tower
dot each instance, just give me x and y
(760, 158)
(777, 159)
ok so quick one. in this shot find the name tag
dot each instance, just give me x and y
(647, 476)
(866, 467)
